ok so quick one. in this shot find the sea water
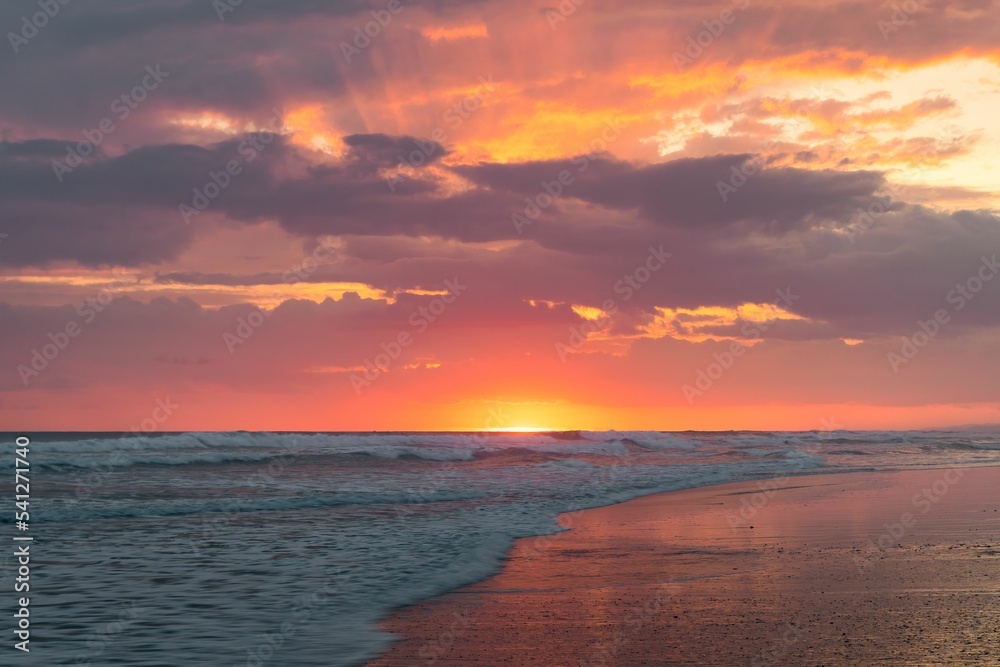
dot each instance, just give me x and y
(288, 548)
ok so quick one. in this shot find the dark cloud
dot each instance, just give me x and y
(372, 152)
(783, 228)
(33, 149)
(105, 22)
(695, 191)
(351, 197)
(348, 197)
(40, 233)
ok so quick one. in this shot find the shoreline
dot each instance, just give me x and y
(902, 564)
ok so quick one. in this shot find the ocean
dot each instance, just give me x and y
(288, 548)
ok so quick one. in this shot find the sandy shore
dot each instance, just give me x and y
(853, 569)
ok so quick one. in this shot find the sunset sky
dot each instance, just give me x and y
(499, 214)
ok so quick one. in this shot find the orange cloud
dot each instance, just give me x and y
(436, 34)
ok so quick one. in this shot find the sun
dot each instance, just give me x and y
(518, 429)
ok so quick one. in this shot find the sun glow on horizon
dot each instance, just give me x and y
(517, 429)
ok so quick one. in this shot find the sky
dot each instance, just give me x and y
(486, 214)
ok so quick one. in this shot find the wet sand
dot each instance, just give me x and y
(897, 568)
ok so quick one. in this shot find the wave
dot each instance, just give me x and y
(121, 460)
(233, 507)
(969, 445)
(576, 464)
(197, 448)
(425, 453)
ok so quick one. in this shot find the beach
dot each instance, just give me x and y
(829, 569)
(322, 549)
